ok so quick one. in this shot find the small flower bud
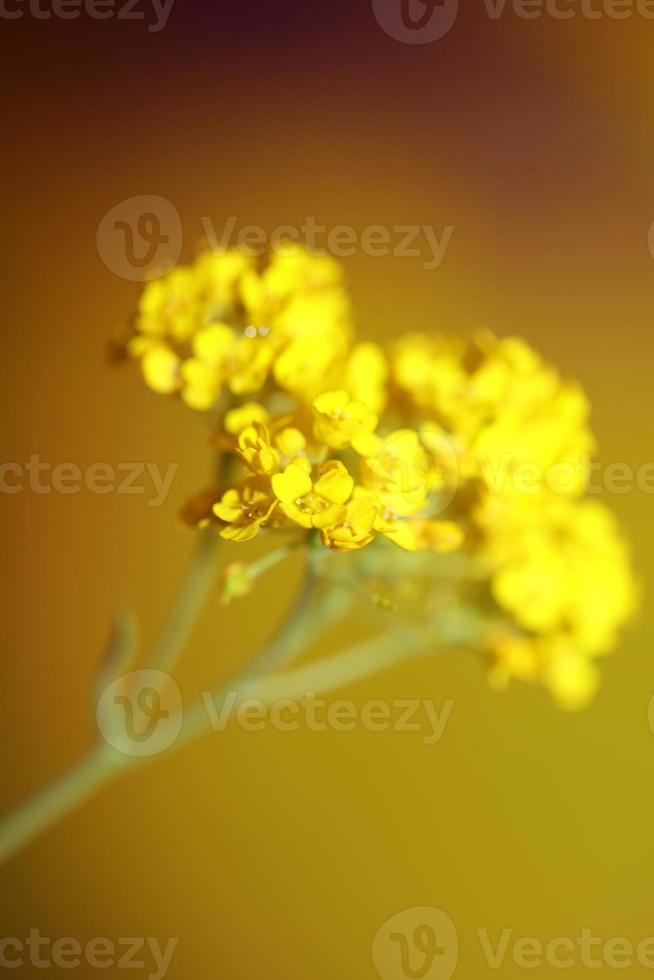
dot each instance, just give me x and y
(236, 582)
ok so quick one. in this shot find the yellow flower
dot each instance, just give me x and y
(560, 566)
(397, 470)
(419, 534)
(200, 384)
(569, 674)
(339, 420)
(356, 528)
(203, 373)
(571, 677)
(170, 307)
(306, 365)
(255, 450)
(290, 442)
(366, 376)
(250, 364)
(314, 503)
(512, 655)
(225, 321)
(189, 298)
(512, 415)
(292, 271)
(244, 416)
(245, 511)
(160, 368)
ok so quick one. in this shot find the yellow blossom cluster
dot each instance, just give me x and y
(562, 574)
(558, 567)
(325, 469)
(425, 444)
(226, 323)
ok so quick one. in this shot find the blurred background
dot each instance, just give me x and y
(284, 853)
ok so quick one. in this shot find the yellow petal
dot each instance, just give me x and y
(367, 444)
(293, 483)
(213, 343)
(331, 402)
(361, 514)
(403, 534)
(330, 517)
(240, 418)
(161, 369)
(290, 441)
(240, 532)
(335, 483)
(299, 516)
(229, 508)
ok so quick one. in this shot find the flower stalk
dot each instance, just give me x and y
(260, 679)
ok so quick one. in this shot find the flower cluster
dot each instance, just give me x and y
(225, 324)
(419, 445)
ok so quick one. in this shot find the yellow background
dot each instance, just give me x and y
(282, 854)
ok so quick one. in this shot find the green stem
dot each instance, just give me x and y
(260, 680)
(58, 799)
(320, 677)
(188, 604)
(258, 568)
(104, 764)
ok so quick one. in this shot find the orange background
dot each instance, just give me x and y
(282, 854)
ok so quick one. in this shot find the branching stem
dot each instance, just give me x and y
(261, 679)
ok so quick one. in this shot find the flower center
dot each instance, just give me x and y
(311, 503)
(253, 511)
